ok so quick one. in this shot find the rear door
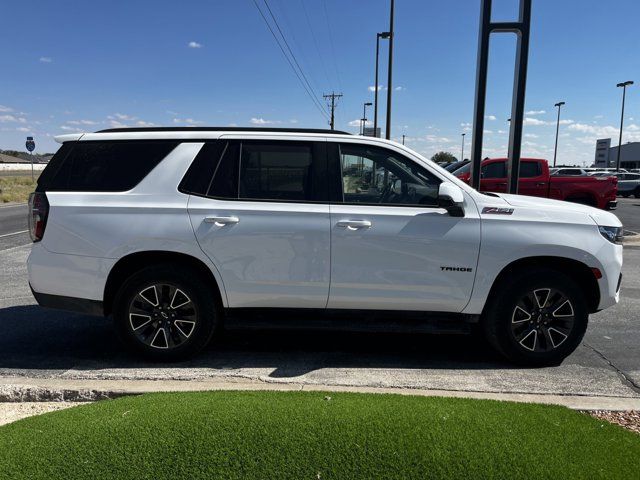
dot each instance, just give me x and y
(494, 176)
(533, 181)
(393, 248)
(264, 221)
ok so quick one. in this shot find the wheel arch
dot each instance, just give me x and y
(575, 269)
(129, 264)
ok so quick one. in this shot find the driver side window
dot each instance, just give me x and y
(372, 175)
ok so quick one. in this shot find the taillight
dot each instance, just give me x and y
(38, 213)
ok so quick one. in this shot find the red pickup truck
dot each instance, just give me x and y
(536, 181)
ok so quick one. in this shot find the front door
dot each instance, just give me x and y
(264, 222)
(392, 247)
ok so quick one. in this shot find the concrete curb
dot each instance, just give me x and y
(631, 240)
(53, 390)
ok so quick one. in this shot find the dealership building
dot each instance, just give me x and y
(607, 156)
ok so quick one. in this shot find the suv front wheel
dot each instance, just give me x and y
(164, 313)
(537, 318)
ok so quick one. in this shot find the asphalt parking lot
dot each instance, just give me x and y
(49, 344)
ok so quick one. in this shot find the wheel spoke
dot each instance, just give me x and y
(146, 295)
(138, 320)
(160, 336)
(564, 310)
(542, 296)
(556, 336)
(185, 327)
(530, 340)
(181, 297)
(520, 315)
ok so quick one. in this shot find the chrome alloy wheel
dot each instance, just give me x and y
(542, 320)
(162, 316)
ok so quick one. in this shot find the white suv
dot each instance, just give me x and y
(173, 231)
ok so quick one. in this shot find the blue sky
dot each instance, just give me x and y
(81, 66)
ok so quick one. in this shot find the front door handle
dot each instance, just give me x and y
(541, 184)
(221, 221)
(354, 224)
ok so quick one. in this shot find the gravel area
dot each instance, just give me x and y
(10, 412)
(629, 420)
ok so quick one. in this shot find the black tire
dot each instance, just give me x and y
(179, 326)
(637, 193)
(625, 195)
(557, 334)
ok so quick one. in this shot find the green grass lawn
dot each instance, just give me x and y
(16, 188)
(302, 435)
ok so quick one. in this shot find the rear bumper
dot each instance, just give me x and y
(71, 304)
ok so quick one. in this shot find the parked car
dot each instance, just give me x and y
(568, 171)
(629, 184)
(536, 181)
(452, 167)
(176, 232)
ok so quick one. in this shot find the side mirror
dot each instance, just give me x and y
(451, 198)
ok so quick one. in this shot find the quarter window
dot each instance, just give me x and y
(372, 175)
(530, 169)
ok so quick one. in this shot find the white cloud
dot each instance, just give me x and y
(188, 121)
(171, 112)
(82, 122)
(536, 112)
(491, 117)
(12, 119)
(142, 123)
(502, 132)
(358, 123)
(372, 88)
(262, 121)
(293, 120)
(121, 116)
(22, 129)
(5, 109)
(488, 132)
(533, 121)
(193, 44)
(70, 129)
(46, 59)
(398, 89)
(530, 135)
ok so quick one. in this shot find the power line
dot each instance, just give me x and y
(315, 42)
(313, 98)
(333, 50)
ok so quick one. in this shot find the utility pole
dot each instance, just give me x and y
(390, 72)
(462, 154)
(403, 138)
(333, 96)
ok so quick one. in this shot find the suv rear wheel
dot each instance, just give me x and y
(538, 318)
(165, 313)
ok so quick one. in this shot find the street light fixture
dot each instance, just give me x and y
(384, 36)
(555, 150)
(624, 86)
(364, 115)
(462, 154)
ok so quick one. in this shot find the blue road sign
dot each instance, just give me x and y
(30, 144)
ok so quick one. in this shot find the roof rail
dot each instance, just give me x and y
(221, 129)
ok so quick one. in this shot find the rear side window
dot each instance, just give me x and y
(530, 169)
(113, 166)
(494, 170)
(277, 171)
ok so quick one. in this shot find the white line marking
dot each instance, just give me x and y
(14, 233)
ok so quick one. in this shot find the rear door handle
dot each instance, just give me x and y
(541, 184)
(354, 224)
(221, 221)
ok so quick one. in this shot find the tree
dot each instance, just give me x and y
(444, 157)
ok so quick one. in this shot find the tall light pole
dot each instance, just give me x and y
(462, 154)
(403, 135)
(383, 35)
(555, 150)
(364, 115)
(390, 73)
(624, 86)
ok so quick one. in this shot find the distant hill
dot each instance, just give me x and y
(14, 156)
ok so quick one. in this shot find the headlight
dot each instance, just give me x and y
(613, 234)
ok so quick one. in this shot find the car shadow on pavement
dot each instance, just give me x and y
(39, 341)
